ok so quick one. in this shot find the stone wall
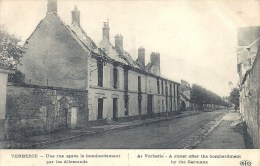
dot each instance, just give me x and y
(35, 110)
(250, 101)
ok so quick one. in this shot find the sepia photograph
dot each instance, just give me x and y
(122, 75)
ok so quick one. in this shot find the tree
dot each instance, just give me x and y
(11, 49)
(200, 96)
(11, 52)
(234, 97)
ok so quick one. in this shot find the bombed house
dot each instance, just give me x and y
(72, 82)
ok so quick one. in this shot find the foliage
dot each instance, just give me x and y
(200, 95)
(234, 97)
(11, 49)
(17, 77)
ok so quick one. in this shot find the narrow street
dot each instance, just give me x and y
(164, 135)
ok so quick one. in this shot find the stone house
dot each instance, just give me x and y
(91, 83)
(249, 74)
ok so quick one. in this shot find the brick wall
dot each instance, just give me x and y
(35, 110)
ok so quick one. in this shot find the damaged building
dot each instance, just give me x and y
(76, 82)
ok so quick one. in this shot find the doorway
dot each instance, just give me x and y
(183, 106)
(100, 108)
(140, 105)
(74, 117)
(115, 109)
(149, 105)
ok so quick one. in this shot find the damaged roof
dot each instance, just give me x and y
(184, 96)
(110, 50)
(88, 42)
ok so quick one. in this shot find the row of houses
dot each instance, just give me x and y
(248, 67)
(70, 81)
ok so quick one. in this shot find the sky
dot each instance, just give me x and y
(197, 40)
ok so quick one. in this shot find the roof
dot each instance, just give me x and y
(184, 88)
(110, 50)
(88, 42)
(80, 33)
(127, 57)
(148, 67)
(184, 96)
(118, 54)
(140, 64)
(106, 50)
(54, 15)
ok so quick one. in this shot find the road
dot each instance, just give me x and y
(162, 135)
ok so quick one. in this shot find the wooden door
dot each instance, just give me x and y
(100, 108)
(115, 109)
(149, 105)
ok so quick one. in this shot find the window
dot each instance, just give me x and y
(139, 84)
(149, 86)
(115, 78)
(170, 89)
(126, 98)
(162, 87)
(174, 91)
(158, 86)
(176, 95)
(166, 88)
(100, 73)
(177, 89)
(126, 79)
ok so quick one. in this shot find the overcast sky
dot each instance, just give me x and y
(197, 40)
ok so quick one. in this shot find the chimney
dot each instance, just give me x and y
(155, 60)
(141, 55)
(75, 16)
(52, 6)
(106, 31)
(119, 42)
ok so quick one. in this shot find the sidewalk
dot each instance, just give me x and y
(43, 141)
(227, 135)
